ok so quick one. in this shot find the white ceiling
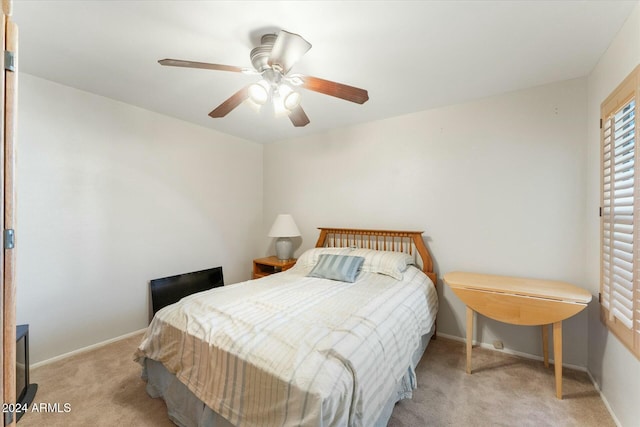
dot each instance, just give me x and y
(410, 56)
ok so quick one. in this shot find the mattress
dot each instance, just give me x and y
(293, 350)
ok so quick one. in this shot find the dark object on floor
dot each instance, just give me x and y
(25, 392)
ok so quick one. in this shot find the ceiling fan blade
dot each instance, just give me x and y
(287, 50)
(232, 102)
(205, 65)
(339, 90)
(298, 117)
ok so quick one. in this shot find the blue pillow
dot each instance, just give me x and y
(344, 268)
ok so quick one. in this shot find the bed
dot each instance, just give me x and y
(300, 347)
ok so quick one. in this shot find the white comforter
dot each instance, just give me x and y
(294, 350)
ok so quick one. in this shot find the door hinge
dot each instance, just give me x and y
(9, 238)
(9, 63)
(600, 123)
(600, 211)
(599, 297)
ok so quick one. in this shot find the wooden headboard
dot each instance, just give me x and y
(409, 242)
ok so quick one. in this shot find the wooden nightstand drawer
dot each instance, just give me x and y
(270, 265)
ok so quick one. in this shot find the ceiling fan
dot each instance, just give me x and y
(273, 60)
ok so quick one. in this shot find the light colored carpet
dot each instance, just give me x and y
(503, 390)
(103, 388)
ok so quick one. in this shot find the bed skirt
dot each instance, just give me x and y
(186, 410)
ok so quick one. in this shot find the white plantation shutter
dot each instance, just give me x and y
(620, 222)
(619, 180)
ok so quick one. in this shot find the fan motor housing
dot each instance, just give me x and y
(260, 55)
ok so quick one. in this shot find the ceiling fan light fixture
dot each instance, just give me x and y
(253, 105)
(259, 92)
(290, 98)
(279, 108)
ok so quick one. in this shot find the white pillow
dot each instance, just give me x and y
(389, 263)
(310, 257)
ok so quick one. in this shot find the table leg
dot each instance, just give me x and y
(545, 344)
(469, 337)
(557, 355)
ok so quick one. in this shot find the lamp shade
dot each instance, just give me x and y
(284, 226)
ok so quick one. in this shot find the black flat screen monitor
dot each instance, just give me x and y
(169, 290)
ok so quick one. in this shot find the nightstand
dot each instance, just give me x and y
(270, 265)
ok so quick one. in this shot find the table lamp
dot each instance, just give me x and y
(284, 228)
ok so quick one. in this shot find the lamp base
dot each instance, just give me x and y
(284, 248)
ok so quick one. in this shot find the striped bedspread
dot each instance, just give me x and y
(291, 350)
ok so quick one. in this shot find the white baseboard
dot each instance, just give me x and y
(604, 400)
(84, 349)
(511, 352)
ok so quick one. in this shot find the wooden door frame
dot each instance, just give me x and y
(9, 86)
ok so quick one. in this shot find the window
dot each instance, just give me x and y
(620, 212)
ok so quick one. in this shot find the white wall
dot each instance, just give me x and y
(111, 196)
(614, 368)
(498, 185)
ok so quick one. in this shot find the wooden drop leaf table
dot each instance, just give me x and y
(520, 301)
